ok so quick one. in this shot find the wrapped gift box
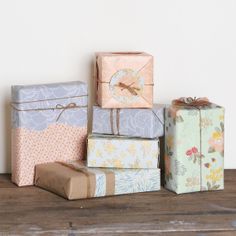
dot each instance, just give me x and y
(194, 148)
(124, 80)
(73, 180)
(49, 123)
(122, 152)
(144, 123)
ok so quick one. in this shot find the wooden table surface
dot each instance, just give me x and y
(33, 211)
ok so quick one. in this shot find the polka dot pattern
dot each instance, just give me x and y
(58, 142)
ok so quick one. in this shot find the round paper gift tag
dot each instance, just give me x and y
(126, 86)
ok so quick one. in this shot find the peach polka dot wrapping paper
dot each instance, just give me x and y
(49, 123)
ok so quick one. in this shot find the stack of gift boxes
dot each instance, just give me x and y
(49, 135)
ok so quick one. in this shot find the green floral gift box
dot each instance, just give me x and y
(194, 146)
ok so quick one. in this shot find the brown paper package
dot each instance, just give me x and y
(61, 180)
(73, 180)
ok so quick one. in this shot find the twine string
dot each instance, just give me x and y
(111, 121)
(48, 99)
(61, 107)
(117, 121)
(130, 88)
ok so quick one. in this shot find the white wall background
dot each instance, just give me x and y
(194, 44)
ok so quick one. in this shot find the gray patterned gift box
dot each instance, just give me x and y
(49, 123)
(144, 123)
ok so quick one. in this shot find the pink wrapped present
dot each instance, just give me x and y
(49, 123)
(124, 80)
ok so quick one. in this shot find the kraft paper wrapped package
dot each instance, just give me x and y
(124, 80)
(144, 123)
(122, 152)
(72, 180)
(49, 123)
(194, 146)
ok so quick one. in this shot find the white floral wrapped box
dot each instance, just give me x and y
(122, 152)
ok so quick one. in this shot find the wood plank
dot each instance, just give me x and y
(5, 181)
(37, 211)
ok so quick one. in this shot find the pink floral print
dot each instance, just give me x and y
(194, 155)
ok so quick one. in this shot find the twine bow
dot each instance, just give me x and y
(130, 88)
(63, 108)
(192, 102)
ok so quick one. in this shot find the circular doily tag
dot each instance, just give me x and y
(126, 86)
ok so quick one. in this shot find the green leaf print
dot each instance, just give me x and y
(208, 185)
(170, 153)
(167, 149)
(222, 126)
(217, 129)
(214, 186)
(169, 177)
(211, 150)
(179, 119)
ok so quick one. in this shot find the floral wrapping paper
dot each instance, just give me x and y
(124, 80)
(144, 123)
(73, 180)
(194, 148)
(122, 152)
(49, 123)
